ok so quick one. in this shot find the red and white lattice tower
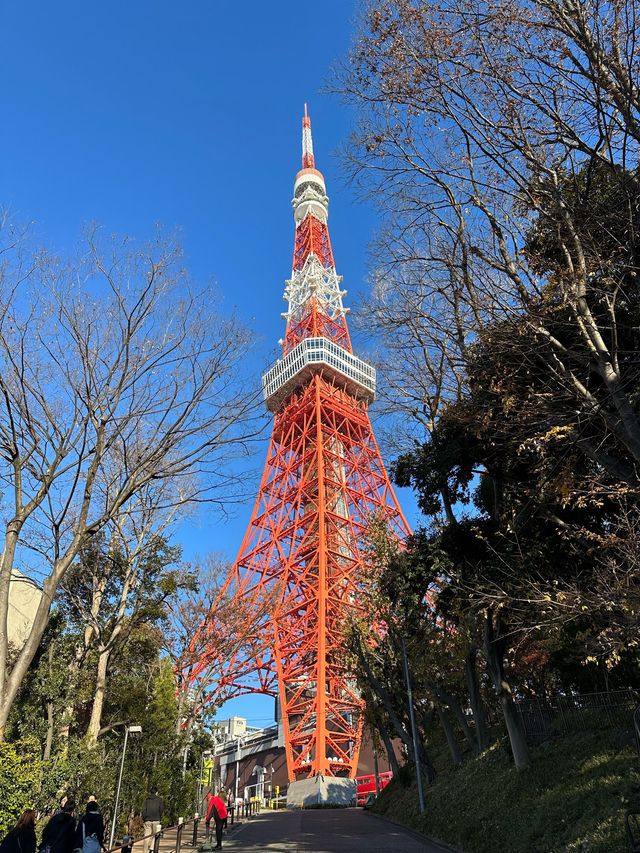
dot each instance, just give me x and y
(299, 568)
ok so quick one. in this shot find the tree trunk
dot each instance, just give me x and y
(391, 754)
(475, 700)
(494, 643)
(12, 533)
(454, 749)
(385, 698)
(46, 755)
(450, 700)
(428, 770)
(95, 722)
(517, 737)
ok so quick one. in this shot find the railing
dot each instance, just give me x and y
(128, 841)
(188, 833)
(309, 356)
(542, 718)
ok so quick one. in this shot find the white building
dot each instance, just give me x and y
(24, 600)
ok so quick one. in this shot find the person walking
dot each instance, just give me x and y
(22, 838)
(59, 834)
(90, 830)
(151, 815)
(218, 811)
(230, 806)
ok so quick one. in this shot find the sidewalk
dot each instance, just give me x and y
(325, 831)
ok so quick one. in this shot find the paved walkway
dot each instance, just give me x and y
(323, 831)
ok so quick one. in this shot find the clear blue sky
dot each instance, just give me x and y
(188, 114)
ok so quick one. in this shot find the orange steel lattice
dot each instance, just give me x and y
(298, 573)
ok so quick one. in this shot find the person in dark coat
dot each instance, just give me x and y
(93, 824)
(152, 811)
(59, 834)
(22, 838)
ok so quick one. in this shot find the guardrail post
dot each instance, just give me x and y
(156, 839)
(179, 834)
(194, 839)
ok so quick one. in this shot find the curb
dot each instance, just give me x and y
(420, 836)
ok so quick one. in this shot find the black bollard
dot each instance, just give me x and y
(156, 842)
(194, 840)
(179, 836)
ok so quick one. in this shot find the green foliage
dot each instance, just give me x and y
(56, 699)
(20, 777)
(572, 799)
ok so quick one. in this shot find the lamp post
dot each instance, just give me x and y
(134, 730)
(238, 745)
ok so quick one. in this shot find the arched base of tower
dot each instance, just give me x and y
(321, 792)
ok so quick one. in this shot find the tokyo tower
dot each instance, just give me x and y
(298, 572)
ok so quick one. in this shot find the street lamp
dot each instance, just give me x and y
(134, 730)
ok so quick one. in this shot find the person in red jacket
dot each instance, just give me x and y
(218, 811)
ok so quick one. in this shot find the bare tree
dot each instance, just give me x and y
(114, 375)
(486, 128)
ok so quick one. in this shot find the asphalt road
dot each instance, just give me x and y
(324, 831)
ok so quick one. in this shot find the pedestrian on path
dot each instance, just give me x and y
(90, 830)
(22, 838)
(218, 811)
(59, 834)
(230, 805)
(152, 811)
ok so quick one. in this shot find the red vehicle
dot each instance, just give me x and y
(367, 785)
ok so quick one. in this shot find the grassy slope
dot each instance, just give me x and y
(572, 799)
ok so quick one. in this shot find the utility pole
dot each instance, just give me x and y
(414, 730)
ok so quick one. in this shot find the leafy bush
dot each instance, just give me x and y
(20, 780)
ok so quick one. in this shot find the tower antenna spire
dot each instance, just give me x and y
(308, 161)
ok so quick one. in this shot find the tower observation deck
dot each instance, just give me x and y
(299, 571)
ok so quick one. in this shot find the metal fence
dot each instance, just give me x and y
(544, 718)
